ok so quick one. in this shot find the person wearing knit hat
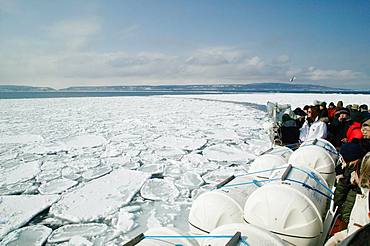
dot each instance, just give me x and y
(324, 115)
(345, 192)
(338, 129)
(356, 115)
(351, 152)
(331, 111)
(364, 107)
(342, 111)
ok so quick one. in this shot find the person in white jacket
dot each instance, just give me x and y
(313, 128)
(360, 215)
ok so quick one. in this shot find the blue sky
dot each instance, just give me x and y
(135, 42)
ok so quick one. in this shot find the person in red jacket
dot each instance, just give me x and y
(354, 131)
(331, 111)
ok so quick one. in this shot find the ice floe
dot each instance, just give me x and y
(99, 197)
(96, 172)
(56, 186)
(67, 232)
(225, 153)
(86, 141)
(191, 180)
(21, 139)
(153, 169)
(124, 220)
(16, 211)
(19, 173)
(184, 143)
(159, 189)
(47, 148)
(34, 235)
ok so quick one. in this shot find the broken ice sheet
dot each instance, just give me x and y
(191, 180)
(183, 143)
(65, 233)
(86, 141)
(34, 235)
(56, 186)
(99, 197)
(159, 189)
(21, 139)
(225, 153)
(19, 173)
(153, 169)
(13, 217)
(96, 172)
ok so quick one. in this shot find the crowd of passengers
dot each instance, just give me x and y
(348, 129)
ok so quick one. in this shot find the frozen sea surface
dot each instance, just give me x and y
(118, 166)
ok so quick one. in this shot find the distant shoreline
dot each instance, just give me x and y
(68, 94)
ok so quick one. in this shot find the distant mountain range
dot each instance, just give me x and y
(21, 88)
(227, 88)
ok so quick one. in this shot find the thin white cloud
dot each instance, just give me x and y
(211, 65)
(316, 74)
(74, 34)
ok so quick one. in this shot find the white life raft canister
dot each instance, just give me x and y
(317, 158)
(292, 208)
(264, 165)
(166, 231)
(281, 151)
(251, 234)
(219, 207)
(325, 144)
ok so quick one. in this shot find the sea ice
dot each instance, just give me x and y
(65, 233)
(79, 241)
(99, 197)
(16, 188)
(96, 172)
(53, 165)
(71, 173)
(20, 173)
(21, 139)
(84, 164)
(16, 211)
(34, 235)
(111, 151)
(217, 176)
(56, 186)
(184, 143)
(169, 153)
(47, 149)
(153, 169)
(86, 141)
(124, 221)
(191, 180)
(222, 134)
(159, 189)
(225, 153)
(48, 175)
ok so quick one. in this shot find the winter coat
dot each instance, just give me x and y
(354, 131)
(345, 193)
(317, 129)
(360, 216)
(331, 112)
